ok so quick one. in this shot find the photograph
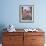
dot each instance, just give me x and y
(26, 13)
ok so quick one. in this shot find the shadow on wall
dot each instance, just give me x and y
(2, 26)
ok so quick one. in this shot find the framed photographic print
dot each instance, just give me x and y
(26, 13)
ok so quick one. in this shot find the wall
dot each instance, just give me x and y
(9, 13)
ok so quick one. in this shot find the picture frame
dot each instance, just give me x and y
(26, 13)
